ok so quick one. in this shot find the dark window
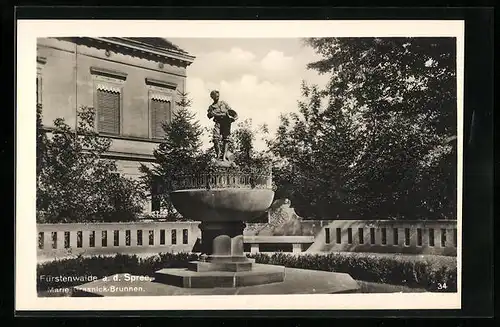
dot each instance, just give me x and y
(38, 89)
(40, 240)
(339, 235)
(384, 236)
(419, 236)
(104, 238)
(443, 238)
(151, 237)
(108, 106)
(395, 235)
(407, 236)
(79, 239)
(174, 236)
(139, 237)
(349, 235)
(361, 237)
(185, 236)
(67, 238)
(116, 238)
(160, 113)
(156, 191)
(54, 240)
(92, 239)
(431, 236)
(372, 235)
(127, 237)
(162, 236)
(327, 235)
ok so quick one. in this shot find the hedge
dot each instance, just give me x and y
(428, 272)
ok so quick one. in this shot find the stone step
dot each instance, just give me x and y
(228, 258)
(201, 266)
(209, 279)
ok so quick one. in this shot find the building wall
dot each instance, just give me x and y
(68, 83)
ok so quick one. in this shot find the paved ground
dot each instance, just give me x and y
(297, 281)
(365, 287)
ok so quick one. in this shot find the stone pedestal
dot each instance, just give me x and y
(225, 265)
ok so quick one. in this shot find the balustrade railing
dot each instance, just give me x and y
(227, 178)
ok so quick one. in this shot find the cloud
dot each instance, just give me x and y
(259, 89)
(277, 61)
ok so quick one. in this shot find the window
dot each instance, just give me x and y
(349, 235)
(162, 236)
(443, 237)
(372, 235)
(395, 236)
(160, 113)
(327, 235)
(39, 89)
(156, 194)
(41, 240)
(419, 236)
(431, 236)
(361, 237)
(108, 99)
(108, 110)
(407, 236)
(185, 236)
(40, 62)
(339, 236)
(139, 237)
(174, 236)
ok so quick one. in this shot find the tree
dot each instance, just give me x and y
(245, 154)
(316, 148)
(179, 153)
(75, 182)
(390, 106)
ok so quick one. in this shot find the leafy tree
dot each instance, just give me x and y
(378, 143)
(316, 148)
(179, 153)
(75, 183)
(245, 154)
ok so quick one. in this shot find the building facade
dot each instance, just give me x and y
(132, 83)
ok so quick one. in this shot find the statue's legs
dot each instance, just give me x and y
(225, 131)
(216, 148)
(224, 150)
(216, 138)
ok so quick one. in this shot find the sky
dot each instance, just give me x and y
(259, 78)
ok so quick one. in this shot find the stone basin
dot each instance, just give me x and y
(222, 205)
(229, 200)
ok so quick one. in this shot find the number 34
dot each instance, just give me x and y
(442, 286)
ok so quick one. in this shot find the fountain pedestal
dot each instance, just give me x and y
(225, 265)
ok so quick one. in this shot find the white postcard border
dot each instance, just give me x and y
(25, 255)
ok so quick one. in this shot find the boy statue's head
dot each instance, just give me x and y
(214, 95)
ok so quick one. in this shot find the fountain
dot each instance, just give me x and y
(223, 200)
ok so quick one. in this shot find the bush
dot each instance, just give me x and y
(430, 272)
(426, 272)
(75, 182)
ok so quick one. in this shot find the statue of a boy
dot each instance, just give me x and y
(223, 116)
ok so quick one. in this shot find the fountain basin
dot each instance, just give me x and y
(222, 205)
